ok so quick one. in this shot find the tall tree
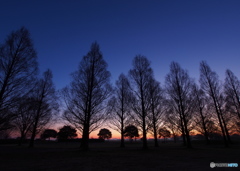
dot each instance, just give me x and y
(18, 64)
(87, 94)
(157, 107)
(120, 105)
(232, 93)
(178, 87)
(202, 117)
(141, 74)
(44, 103)
(210, 84)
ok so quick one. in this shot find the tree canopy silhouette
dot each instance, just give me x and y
(87, 94)
(66, 132)
(48, 133)
(179, 88)
(131, 131)
(120, 106)
(140, 75)
(44, 103)
(164, 132)
(104, 134)
(157, 107)
(211, 86)
(18, 68)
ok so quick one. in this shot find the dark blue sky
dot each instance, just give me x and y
(162, 30)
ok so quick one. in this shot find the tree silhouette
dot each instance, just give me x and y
(104, 134)
(211, 86)
(86, 96)
(157, 107)
(202, 116)
(18, 67)
(140, 75)
(120, 106)
(232, 93)
(66, 132)
(48, 133)
(164, 132)
(178, 86)
(131, 131)
(44, 103)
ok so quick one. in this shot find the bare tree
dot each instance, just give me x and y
(178, 87)
(17, 67)
(44, 103)
(201, 112)
(157, 107)
(120, 105)
(141, 74)
(211, 86)
(24, 119)
(87, 95)
(232, 93)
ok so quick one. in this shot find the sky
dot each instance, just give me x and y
(184, 31)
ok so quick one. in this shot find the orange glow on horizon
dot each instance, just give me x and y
(115, 134)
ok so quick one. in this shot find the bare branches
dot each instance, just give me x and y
(86, 97)
(44, 101)
(17, 67)
(211, 86)
(120, 106)
(178, 86)
(141, 74)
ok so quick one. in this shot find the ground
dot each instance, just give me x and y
(109, 156)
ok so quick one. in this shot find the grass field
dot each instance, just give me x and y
(109, 156)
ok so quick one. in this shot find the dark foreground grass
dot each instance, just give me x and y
(109, 156)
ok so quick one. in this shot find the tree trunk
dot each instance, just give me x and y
(143, 119)
(155, 135)
(220, 120)
(122, 136)
(175, 138)
(85, 139)
(225, 127)
(154, 127)
(122, 141)
(144, 136)
(21, 138)
(204, 126)
(183, 132)
(33, 135)
(189, 145)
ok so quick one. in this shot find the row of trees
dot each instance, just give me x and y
(68, 132)
(181, 105)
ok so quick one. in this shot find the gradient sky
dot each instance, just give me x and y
(185, 31)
